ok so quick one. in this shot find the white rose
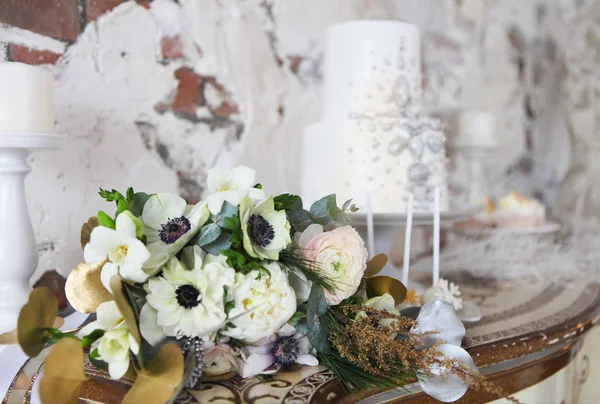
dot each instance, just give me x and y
(263, 303)
(340, 254)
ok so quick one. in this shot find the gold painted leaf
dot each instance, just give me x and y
(10, 337)
(376, 265)
(84, 288)
(157, 382)
(63, 373)
(38, 313)
(379, 285)
(124, 307)
(86, 230)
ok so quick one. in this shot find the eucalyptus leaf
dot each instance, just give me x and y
(227, 211)
(324, 210)
(222, 243)
(139, 200)
(302, 326)
(300, 219)
(208, 234)
(296, 318)
(346, 204)
(318, 335)
(317, 305)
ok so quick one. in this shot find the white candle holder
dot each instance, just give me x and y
(18, 247)
(476, 155)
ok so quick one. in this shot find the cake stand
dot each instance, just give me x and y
(18, 247)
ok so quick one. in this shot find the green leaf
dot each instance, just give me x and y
(130, 194)
(88, 340)
(296, 317)
(302, 326)
(228, 211)
(324, 210)
(299, 219)
(105, 220)
(220, 244)
(287, 202)
(139, 200)
(208, 234)
(352, 300)
(317, 304)
(318, 335)
(139, 226)
(258, 186)
(122, 205)
(94, 355)
(346, 204)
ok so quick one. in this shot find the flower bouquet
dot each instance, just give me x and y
(243, 284)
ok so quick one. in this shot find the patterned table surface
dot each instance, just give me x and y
(518, 320)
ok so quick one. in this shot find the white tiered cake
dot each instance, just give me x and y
(26, 99)
(372, 135)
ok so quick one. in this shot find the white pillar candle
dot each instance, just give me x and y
(436, 237)
(26, 99)
(477, 129)
(407, 239)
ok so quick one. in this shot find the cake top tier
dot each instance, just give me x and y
(365, 61)
(26, 99)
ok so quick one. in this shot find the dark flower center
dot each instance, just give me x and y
(261, 232)
(171, 231)
(285, 351)
(187, 296)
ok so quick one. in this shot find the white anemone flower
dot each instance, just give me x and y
(126, 253)
(266, 231)
(440, 317)
(282, 349)
(231, 185)
(169, 224)
(189, 301)
(114, 346)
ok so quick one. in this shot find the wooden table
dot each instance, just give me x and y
(527, 334)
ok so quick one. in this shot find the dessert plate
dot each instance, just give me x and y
(549, 227)
(419, 218)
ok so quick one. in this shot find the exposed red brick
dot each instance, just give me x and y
(95, 8)
(56, 283)
(227, 107)
(23, 54)
(171, 47)
(295, 62)
(55, 18)
(145, 4)
(187, 96)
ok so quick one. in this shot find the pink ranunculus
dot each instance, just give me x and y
(340, 254)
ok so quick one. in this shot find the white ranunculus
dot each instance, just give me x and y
(340, 254)
(263, 303)
(190, 301)
(231, 185)
(126, 253)
(266, 231)
(169, 224)
(114, 346)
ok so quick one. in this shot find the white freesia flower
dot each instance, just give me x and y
(266, 231)
(169, 224)
(440, 317)
(114, 346)
(126, 253)
(340, 255)
(189, 301)
(263, 303)
(231, 185)
(282, 349)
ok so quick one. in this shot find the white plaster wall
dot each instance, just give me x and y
(109, 81)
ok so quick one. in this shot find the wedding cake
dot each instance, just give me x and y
(373, 137)
(26, 99)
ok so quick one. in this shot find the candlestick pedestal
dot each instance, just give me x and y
(476, 154)
(18, 247)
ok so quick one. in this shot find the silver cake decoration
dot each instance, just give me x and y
(415, 145)
(435, 143)
(419, 173)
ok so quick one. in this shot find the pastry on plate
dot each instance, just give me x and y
(515, 210)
